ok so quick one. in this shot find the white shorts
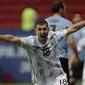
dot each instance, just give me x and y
(60, 80)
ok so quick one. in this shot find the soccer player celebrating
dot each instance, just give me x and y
(42, 49)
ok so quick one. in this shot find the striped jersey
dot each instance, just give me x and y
(44, 58)
(57, 23)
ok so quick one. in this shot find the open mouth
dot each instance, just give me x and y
(44, 35)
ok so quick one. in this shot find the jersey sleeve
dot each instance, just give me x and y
(26, 41)
(60, 34)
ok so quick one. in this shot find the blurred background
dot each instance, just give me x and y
(17, 17)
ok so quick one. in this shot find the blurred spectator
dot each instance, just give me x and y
(76, 17)
(29, 17)
(76, 71)
(7, 78)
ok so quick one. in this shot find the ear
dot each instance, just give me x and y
(61, 10)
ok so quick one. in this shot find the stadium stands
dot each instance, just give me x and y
(10, 10)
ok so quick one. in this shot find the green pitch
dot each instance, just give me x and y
(18, 84)
(78, 83)
(27, 84)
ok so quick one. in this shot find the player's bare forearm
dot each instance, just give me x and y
(75, 27)
(73, 46)
(74, 59)
(10, 39)
(6, 38)
(79, 25)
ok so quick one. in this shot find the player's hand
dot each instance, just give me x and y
(77, 60)
(74, 60)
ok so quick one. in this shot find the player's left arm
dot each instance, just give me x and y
(70, 30)
(74, 59)
(75, 27)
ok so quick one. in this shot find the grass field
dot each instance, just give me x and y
(18, 84)
(78, 83)
(28, 84)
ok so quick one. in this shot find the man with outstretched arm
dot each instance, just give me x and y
(42, 49)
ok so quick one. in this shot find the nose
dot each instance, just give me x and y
(42, 31)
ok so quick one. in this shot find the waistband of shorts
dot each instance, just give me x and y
(64, 74)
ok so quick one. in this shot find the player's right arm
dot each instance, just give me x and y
(10, 39)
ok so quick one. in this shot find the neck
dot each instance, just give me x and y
(43, 41)
(57, 14)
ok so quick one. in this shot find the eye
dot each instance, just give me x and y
(39, 29)
(44, 29)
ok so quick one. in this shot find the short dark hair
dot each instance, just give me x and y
(56, 6)
(77, 12)
(41, 22)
